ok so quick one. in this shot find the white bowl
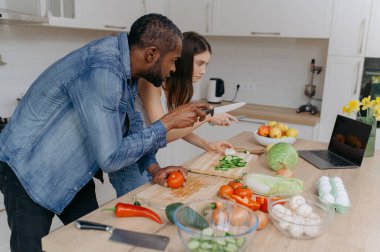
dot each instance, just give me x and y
(267, 140)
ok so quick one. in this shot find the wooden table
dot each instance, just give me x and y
(356, 230)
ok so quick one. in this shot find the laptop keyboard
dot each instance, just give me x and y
(331, 158)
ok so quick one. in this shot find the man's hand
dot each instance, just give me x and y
(185, 116)
(160, 175)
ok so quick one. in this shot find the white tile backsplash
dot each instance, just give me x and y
(278, 67)
(28, 51)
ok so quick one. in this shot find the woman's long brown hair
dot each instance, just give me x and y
(180, 84)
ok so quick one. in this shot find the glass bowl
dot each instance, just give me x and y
(215, 225)
(267, 140)
(300, 217)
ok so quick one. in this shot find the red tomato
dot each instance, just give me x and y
(225, 191)
(243, 192)
(236, 184)
(175, 179)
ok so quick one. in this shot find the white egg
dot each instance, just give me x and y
(285, 222)
(326, 188)
(288, 212)
(328, 198)
(339, 186)
(337, 180)
(324, 178)
(295, 230)
(343, 201)
(229, 152)
(315, 217)
(340, 192)
(322, 183)
(278, 210)
(311, 228)
(296, 201)
(304, 210)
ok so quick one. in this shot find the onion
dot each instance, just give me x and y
(239, 216)
(285, 172)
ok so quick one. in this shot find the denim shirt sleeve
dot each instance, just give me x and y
(97, 96)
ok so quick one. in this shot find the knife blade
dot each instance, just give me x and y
(151, 241)
(224, 109)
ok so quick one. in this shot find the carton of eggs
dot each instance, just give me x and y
(332, 191)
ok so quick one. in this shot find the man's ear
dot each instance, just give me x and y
(152, 54)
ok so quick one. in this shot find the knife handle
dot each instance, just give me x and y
(80, 224)
(209, 111)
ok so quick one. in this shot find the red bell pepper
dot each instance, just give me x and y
(248, 202)
(129, 210)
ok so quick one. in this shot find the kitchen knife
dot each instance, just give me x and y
(224, 109)
(138, 239)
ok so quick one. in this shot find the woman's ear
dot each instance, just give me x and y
(152, 54)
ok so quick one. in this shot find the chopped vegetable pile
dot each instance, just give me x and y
(229, 162)
(204, 243)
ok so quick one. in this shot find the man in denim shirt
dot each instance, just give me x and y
(78, 116)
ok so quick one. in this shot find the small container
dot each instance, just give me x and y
(289, 220)
(267, 140)
(337, 196)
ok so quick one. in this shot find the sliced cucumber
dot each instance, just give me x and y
(192, 245)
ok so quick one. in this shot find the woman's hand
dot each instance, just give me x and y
(219, 146)
(222, 119)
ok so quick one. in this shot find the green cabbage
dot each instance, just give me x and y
(271, 185)
(282, 155)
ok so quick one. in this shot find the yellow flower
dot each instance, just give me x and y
(376, 112)
(354, 105)
(377, 101)
(346, 110)
(366, 103)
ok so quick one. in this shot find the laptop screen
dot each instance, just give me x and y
(349, 139)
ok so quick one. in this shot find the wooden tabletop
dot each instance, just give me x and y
(356, 230)
(272, 113)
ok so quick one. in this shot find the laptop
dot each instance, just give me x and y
(346, 148)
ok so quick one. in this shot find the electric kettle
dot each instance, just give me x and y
(215, 90)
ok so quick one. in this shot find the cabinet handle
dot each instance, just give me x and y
(207, 16)
(115, 27)
(266, 33)
(362, 29)
(357, 83)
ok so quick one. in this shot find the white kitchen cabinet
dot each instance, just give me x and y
(110, 14)
(155, 6)
(342, 84)
(286, 18)
(373, 42)
(113, 15)
(194, 15)
(349, 27)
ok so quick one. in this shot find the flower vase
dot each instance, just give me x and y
(370, 149)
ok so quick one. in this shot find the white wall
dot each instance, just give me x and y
(278, 67)
(28, 51)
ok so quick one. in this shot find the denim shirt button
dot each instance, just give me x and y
(76, 188)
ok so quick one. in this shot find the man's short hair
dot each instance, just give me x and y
(154, 30)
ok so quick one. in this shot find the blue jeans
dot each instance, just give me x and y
(128, 179)
(28, 221)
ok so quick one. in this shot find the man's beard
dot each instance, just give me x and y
(153, 74)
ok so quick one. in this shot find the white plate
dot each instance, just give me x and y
(267, 140)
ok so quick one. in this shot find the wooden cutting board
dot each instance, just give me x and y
(198, 187)
(205, 165)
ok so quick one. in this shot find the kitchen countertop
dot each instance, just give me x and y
(355, 230)
(271, 113)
